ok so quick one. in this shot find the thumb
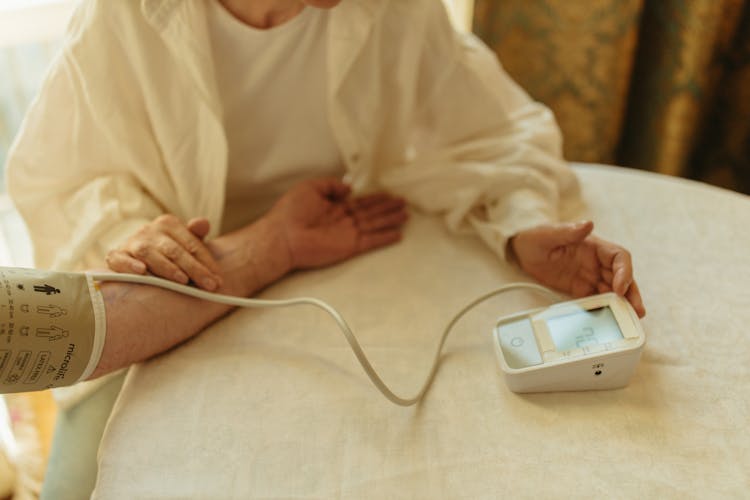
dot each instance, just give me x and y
(571, 233)
(199, 226)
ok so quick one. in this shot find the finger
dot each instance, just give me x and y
(170, 225)
(561, 235)
(121, 262)
(391, 220)
(607, 275)
(188, 263)
(623, 272)
(199, 226)
(606, 252)
(337, 212)
(370, 200)
(370, 241)
(603, 287)
(617, 259)
(195, 247)
(385, 206)
(634, 297)
(568, 234)
(158, 264)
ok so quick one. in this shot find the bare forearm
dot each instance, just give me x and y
(143, 321)
(316, 223)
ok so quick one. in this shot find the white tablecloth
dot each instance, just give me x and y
(271, 403)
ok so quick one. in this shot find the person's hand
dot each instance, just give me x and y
(321, 224)
(569, 258)
(169, 249)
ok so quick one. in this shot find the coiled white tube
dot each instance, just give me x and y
(350, 338)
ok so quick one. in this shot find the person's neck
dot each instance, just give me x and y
(263, 14)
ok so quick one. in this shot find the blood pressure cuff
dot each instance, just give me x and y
(52, 329)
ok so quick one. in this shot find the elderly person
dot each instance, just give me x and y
(229, 142)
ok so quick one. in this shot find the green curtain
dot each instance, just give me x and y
(662, 85)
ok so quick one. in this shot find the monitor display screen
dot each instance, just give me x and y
(584, 329)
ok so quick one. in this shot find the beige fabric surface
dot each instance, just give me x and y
(271, 403)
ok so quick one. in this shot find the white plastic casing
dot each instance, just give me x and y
(532, 363)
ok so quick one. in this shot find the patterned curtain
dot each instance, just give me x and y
(662, 85)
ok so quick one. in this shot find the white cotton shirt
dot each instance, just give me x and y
(132, 126)
(272, 86)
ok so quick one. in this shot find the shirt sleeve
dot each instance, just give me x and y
(485, 155)
(69, 171)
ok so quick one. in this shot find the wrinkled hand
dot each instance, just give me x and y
(169, 249)
(569, 258)
(322, 225)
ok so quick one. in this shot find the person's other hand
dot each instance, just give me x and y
(169, 249)
(569, 258)
(322, 224)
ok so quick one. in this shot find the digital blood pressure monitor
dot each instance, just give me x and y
(585, 344)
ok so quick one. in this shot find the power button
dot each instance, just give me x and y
(518, 344)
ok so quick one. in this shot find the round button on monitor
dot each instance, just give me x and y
(516, 342)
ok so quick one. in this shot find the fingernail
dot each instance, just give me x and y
(181, 277)
(138, 267)
(208, 284)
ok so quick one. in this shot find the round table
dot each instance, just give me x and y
(272, 403)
